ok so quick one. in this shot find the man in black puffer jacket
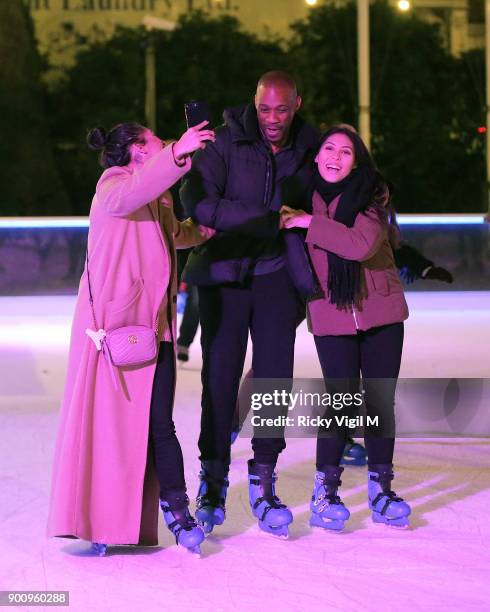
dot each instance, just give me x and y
(248, 279)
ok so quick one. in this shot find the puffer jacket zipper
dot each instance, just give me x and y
(267, 181)
(355, 318)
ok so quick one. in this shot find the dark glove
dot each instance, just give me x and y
(407, 275)
(440, 274)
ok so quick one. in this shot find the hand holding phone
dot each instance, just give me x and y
(191, 140)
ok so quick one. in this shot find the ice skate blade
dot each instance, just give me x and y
(190, 552)
(280, 533)
(395, 527)
(400, 523)
(98, 550)
(195, 552)
(328, 524)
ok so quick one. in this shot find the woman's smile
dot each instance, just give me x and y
(336, 158)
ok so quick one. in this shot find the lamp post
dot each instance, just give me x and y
(363, 71)
(363, 66)
(153, 23)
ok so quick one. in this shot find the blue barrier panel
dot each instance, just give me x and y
(45, 255)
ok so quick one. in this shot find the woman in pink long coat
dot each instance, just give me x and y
(117, 452)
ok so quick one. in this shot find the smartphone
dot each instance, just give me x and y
(196, 112)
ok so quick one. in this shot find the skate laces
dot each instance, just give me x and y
(327, 492)
(188, 523)
(389, 497)
(272, 501)
(182, 520)
(327, 499)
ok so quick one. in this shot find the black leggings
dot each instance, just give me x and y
(267, 306)
(164, 445)
(375, 353)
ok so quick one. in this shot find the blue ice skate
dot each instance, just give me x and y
(211, 496)
(386, 506)
(274, 516)
(187, 532)
(354, 454)
(98, 549)
(327, 509)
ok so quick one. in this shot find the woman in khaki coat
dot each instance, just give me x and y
(357, 322)
(117, 452)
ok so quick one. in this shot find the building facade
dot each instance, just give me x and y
(62, 26)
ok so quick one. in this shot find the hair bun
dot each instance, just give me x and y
(97, 138)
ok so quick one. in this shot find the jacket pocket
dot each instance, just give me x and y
(394, 283)
(380, 282)
(127, 299)
(386, 282)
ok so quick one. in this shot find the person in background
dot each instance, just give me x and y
(413, 265)
(187, 297)
(189, 324)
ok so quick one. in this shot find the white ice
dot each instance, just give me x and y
(442, 562)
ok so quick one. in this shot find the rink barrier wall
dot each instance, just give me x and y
(45, 255)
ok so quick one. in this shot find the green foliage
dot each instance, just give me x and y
(104, 87)
(213, 60)
(426, 104)
(423, 113)
(30, 180)
(210, 59)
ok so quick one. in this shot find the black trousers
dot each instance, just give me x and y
(267, 306)
(376, 354)
(164, 445)
(190, 319)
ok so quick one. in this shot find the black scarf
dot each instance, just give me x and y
(356, 189)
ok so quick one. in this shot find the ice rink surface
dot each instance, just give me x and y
(442, 562)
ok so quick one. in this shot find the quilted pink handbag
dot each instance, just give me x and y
(131, 345)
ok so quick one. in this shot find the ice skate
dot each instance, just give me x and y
(327, 509)
(187, 532)
(274, 516)
(211, 496)
(354, 454)
(386, 506)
